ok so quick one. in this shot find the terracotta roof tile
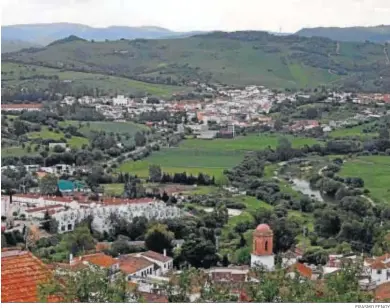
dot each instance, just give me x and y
(382, 292)
(156, 256)
(99, 259)
(21, 272)
(130, 264)
(154, 298)
(302, 269)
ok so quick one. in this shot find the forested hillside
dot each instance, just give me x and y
(238, 58)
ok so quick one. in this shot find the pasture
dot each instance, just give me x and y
(107, 126)
(246, 143)
(74, 142)
(375, 171)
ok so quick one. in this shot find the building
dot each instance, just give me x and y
(21, 107)
(98, 259)
(5, 205)
(21, 273)
(378, 269)
(164, 262)
(262, 254)
(120, 100)
(136, 267)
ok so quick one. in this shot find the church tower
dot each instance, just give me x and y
(262, 247)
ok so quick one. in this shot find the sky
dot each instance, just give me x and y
(187, 15)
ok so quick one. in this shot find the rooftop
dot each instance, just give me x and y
(21, 272)
(99, 259)
(156, 256)
(130, 264)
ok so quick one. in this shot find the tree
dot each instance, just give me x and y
(140, 139)
(87, 286)
(159, 238)
(48, 184)
(278, 125)
(155, 173)
(225, 261)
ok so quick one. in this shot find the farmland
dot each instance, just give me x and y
(74, 142)
(108, 127)
(211, 157)
(375, 171)
(211, 162)
(246, 143)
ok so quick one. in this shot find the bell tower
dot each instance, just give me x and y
(262, 254)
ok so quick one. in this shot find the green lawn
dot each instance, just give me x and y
(74, 142)
(375, 171)
(16, 151)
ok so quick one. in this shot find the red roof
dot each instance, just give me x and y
(20, 106)
(44, 208)
(156, 256)
(382, 292)
(99, 259)
(263, 228)
(153, 298)
(21, 272)
(302, 269)
(130, 264)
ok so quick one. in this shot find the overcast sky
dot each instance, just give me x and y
(184, 15)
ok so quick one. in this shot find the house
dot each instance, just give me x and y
(162, 260)
(378, 269)
(153, 297)
(21, 273)
(382, 292)
(98, 259)
(303, 270)
(135, 267)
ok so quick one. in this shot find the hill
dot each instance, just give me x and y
(46, 33)
(237, 58)
(15, 45)
(378, 34)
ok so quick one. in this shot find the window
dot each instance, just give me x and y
(379, 271)
(266, 246)
(165, 265)
(62, 228)
(69, 227)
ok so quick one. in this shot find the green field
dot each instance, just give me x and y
(352, 131)
(207, 156)
(74, 142)
(173, 160)
(12, 72)
(108, 127)
(246, 143)
(375, 171)
(16, 151)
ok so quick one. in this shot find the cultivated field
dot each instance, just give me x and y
(246, 143)
(108, 127)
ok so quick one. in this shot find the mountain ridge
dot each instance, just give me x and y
(45, 33)
(236, 58)
(377, 34)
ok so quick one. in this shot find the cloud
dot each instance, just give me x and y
(290, 15)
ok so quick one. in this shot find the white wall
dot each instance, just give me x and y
(267, 261)
(379, 276)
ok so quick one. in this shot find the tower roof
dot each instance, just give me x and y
(263, 228)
